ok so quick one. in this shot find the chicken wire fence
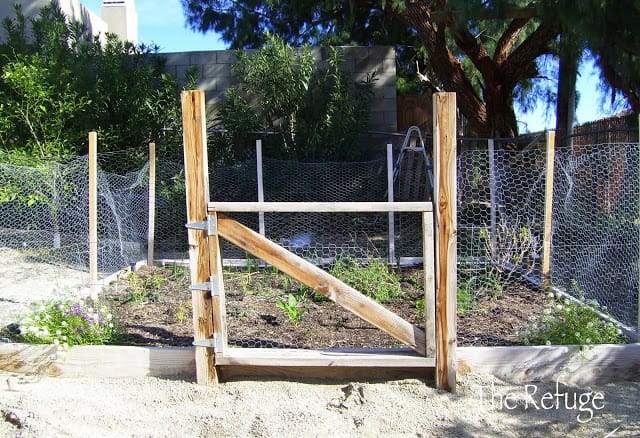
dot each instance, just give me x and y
(595, 244)
(501, 195)
(44, 214)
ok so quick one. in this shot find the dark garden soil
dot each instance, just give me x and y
(154, 309)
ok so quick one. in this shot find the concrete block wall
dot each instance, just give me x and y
(214, 76)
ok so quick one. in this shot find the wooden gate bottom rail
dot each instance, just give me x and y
(278, 357)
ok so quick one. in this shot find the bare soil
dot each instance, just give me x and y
(154, 307)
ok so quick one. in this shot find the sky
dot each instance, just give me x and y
(163, 22)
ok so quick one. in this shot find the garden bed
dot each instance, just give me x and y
(154, 308)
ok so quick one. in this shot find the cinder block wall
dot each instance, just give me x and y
(215, 76)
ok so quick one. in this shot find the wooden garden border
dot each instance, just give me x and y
(598, 364)
(206, 223)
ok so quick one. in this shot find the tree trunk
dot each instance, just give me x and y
(566, 103)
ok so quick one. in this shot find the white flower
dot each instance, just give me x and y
(587, 341)
(64, 323)
(590, 324)
(559, 306)
(64, 338)
(110, 325)
(58, 333)
(551, 295)
(548, 342)
(577, 334)
(109, 317)
(56, 342)
(619, 331)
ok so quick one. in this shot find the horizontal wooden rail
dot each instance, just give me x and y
(320, 207)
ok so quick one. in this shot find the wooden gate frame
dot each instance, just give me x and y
(206, 223)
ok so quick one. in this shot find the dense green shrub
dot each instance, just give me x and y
(58, 82)
(317, 113)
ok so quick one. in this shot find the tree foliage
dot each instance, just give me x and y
(317, 113)
(483, 50)
(58, 82)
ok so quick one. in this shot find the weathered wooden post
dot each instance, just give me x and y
(152, 205)
(444, 149)
(197, 194)
(548, 210)
(93, 215)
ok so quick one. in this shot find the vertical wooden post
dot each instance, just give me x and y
(197, 192)
(152, 204)
(429, 268)
(93, 215)
(261, 228)
(390, 197)
(548, 209)
(444, 147)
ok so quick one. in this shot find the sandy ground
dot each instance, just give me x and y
(151, 407)
(22, 282)
(483, 406)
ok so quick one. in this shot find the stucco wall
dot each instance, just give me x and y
(214, 76)
(71, 8)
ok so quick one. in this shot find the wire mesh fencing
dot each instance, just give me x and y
(595, 239)
(44, 215)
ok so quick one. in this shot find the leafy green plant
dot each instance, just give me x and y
(318, 112)
(292, 308)
(58, 82)
(420, 309)
(373, 278)
(571, 322)
(68, 323)
(143, 289)
(183, 312)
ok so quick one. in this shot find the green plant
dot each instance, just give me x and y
(571, 322)
(292, 308)
(143, 289)
(69, 323)
(183, 312)
(373, 278)
(420, 309)
(58, 82)
(319, 113)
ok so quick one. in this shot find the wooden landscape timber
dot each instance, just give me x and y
(572, 365)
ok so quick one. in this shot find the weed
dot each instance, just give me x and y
(420, 309)
(291, 308)
(183, 312)
(374, 278)
(143, 289)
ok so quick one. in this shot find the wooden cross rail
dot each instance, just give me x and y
(320, 207)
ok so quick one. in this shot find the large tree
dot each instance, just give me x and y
(482, 50)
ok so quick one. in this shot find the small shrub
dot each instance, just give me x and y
(567, 322)
(69, 323)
